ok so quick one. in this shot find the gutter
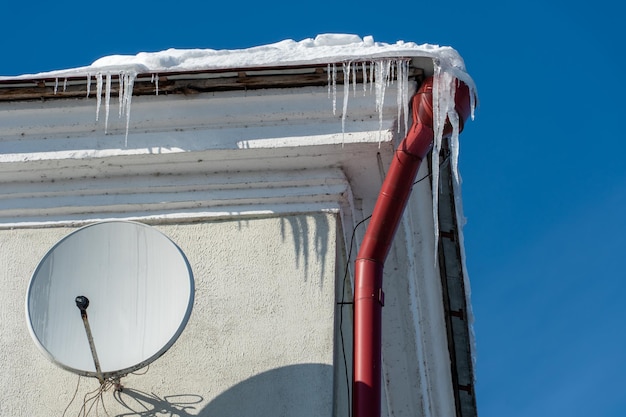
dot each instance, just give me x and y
(388, 210)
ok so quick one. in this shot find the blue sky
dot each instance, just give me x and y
(544, 177)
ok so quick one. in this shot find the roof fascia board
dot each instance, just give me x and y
(190, 82)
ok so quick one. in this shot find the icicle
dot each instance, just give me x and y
(107, 100)
(443, 107)
(354, 80)
(155, 80)
(346, 95)
(382, 78)
(379, 98)
(405, 96)
(472, 101)
(402, 97)
(399, 87)
(438, 125)
(372, 66)
(328, 74)
(99, 94)
(56, 85)
(120, 99)
(129, 81)
(334, 89)
(88, 84)
(364, 68)
(64, 84)
(453, 116)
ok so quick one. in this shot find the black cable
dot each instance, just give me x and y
(446, 159)
(342, 303)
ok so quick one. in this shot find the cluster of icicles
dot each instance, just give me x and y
(126, 80)
(376, 76)
(380, 75)
(383, 73)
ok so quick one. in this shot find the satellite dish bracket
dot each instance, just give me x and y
(82, 303)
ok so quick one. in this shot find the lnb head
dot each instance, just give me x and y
(82, 302)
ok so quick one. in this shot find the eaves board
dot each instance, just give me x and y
(191, 82)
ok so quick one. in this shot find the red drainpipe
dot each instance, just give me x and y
(368, 275)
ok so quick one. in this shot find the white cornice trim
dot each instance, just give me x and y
(173, 196)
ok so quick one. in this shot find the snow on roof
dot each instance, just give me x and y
(325, 48)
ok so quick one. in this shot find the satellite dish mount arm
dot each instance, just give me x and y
(82, 303)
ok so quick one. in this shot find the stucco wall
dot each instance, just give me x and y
(259, 340)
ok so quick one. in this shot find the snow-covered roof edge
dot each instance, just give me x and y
(323, 49)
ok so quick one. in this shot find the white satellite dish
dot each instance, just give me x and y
(113, 295)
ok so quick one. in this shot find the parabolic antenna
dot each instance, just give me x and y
(138, 291)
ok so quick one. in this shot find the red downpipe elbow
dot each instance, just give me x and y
(368, 275)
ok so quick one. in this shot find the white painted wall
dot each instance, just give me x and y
(260, 340)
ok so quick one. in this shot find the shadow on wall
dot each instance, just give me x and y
(300, 232)
(298, 390)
